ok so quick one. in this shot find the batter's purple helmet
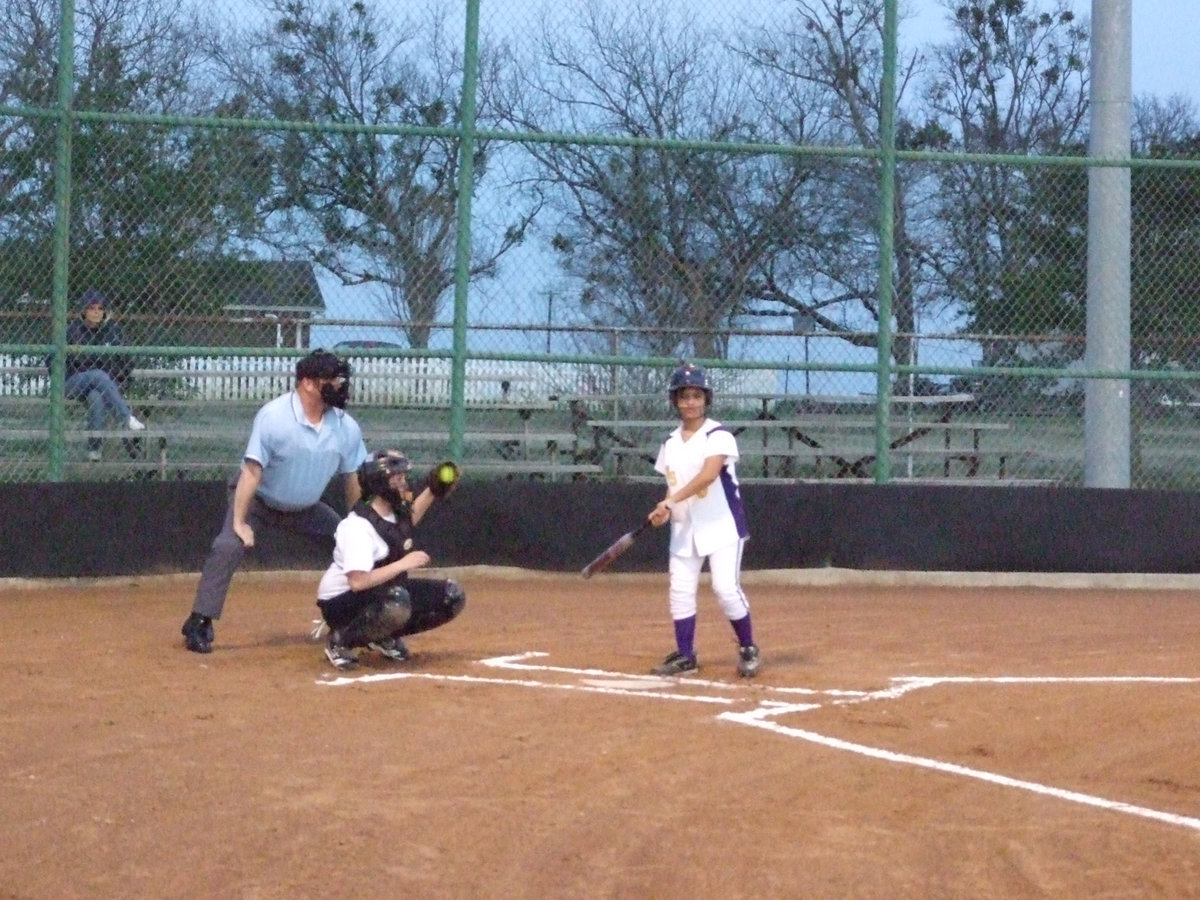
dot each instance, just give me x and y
(689, 375)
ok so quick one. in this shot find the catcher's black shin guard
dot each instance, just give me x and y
(434, 603)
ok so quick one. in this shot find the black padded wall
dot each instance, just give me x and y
(93, 529)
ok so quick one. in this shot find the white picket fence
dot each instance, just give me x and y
(382, 381)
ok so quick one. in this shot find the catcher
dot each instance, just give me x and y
(366, 596)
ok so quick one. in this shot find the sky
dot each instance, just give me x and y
(1164, 47)
(1164, 62)
(1164, 31)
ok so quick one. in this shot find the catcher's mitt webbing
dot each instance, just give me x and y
(443, 478)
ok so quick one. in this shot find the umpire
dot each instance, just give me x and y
(298, 443)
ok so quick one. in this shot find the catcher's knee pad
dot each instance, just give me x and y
(379, 619)
(395, 610)
(456, 598)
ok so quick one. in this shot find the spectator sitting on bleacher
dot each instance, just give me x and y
(97, 379)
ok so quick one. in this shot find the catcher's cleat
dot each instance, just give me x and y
(748, 661)
(392, 648)
(676, 664)
(197, 633)
(342, 657)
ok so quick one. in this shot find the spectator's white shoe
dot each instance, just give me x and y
(94, 456)
(136, 424)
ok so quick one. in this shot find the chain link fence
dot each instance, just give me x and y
(532, 220)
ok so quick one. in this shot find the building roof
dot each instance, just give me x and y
(269, 286)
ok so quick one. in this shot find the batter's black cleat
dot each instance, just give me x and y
(676, 664)
(748, 660)
(197, 633)
(392, 648)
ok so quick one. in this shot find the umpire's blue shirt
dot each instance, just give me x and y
(298, 458)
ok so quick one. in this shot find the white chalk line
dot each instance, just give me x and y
(767, 710)
(752, 718)
(514, 662)
(475, 679)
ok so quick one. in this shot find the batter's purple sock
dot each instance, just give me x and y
(745, 634)
(685, 636)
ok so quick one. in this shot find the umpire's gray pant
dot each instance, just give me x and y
(317, 521)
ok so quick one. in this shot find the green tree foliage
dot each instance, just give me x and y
(1045, 297)
(1012, 79)
(1165, 249)
(145, 196)
(1045, 294)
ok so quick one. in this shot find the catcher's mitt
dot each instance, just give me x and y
(443, 478)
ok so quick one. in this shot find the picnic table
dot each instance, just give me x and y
(830, 431)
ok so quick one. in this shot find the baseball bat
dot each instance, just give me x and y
(615, 549)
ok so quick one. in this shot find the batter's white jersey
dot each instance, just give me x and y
(715, 517)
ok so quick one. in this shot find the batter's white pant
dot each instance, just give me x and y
(725, 569)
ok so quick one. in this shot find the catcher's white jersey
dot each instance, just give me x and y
(715, 517)
(357, 548)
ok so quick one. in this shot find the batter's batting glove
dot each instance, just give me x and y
(443, 478)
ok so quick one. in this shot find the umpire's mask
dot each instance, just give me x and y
(332, 371)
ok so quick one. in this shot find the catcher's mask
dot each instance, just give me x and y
(689, 375)
(375, 476)
(331, 371)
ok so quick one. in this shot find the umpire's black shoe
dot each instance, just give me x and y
(197, 633)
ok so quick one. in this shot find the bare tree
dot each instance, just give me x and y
(370, 204)
(1162, 123)
(836, 47)
(672, 243)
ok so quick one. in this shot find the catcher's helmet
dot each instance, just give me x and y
(375, 474)
(689, 375)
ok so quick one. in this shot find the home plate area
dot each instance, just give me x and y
(766, 707)
(520, 670)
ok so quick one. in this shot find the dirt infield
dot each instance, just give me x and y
(903, 740)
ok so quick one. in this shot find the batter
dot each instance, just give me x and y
(708, 522)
